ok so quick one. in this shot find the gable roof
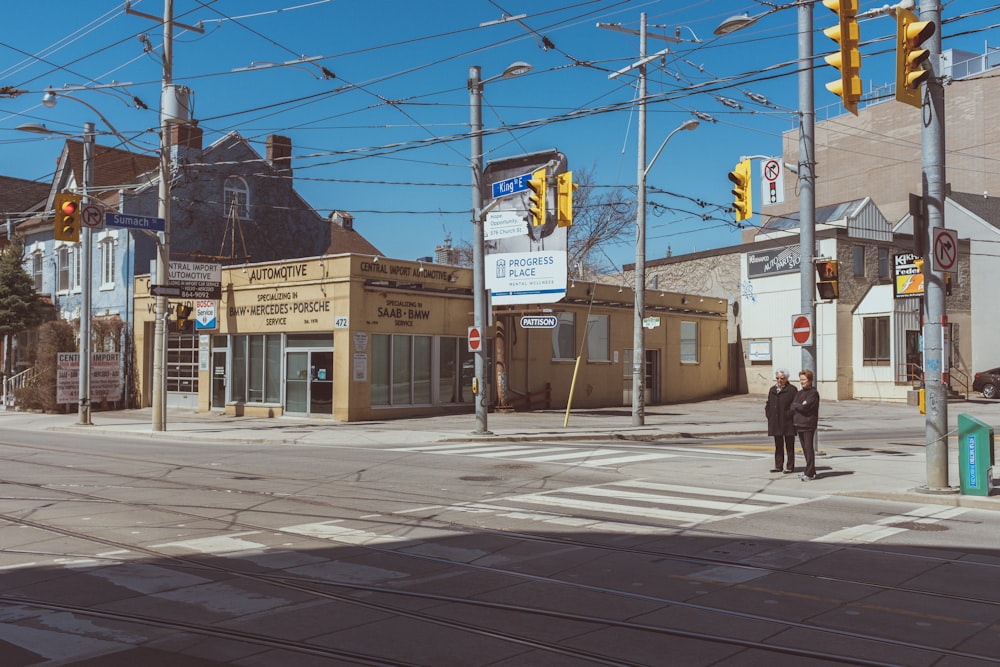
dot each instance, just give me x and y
(112, 168)
(20, 195)
(986, 207)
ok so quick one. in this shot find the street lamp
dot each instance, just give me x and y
(476, 85)
(639, 307)
(86, 264)
(807, 146)
(638, 334)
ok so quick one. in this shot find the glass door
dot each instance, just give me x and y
(219, 378)
(297, 382)
(321, 383)
(309, 382)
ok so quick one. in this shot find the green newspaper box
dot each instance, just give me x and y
(975, 455)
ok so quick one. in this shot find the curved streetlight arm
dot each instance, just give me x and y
(51, 97)
(686, 125)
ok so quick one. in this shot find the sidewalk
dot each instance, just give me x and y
(882, 476)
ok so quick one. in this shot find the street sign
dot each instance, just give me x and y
(945, 250)
(772, 182)
(503, 224)
(510, 186)
(165, 290)
(92, 215)
(539, 321)
(802, 331)
(475, 339)
(112, 219)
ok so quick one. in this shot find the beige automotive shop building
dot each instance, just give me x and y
(356, 338)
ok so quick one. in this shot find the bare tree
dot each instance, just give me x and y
(602, 216)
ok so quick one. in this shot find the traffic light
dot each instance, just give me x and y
(564, 198)
(828, 273)
(742, 190)
(910, 34)
(537, 186)
(67, 222)
(847, 58)
(184, 324)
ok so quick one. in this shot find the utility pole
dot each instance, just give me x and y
(86, 279)
(159, 393)
(479, 318)
(639, 310)
(807, 177)
(935, 316)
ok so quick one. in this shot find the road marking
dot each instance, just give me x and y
(330, 530)
(590, 506)
(579, 456)
(872, 532)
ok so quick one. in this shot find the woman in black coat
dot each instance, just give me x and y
(805, 416)
(779, 421)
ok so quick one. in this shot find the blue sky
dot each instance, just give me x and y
(386, 139)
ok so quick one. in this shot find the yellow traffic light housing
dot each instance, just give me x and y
(847, 59)
(67, 219)
(564, 198)
(537, 187)
(910, 35)
(742, 190)
(828, 273)
(184, 324)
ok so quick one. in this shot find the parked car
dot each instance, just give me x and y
(987, 383)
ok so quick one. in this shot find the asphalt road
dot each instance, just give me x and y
(119, 550)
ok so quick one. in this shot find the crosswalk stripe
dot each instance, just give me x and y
(668, 500)
(584, 454)
(526, 450)
(611, 508)
(630, 459)
(739, 495)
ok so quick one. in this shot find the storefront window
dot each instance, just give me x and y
(598, 343)
(564, 337)
(404, 372)
(256, 368)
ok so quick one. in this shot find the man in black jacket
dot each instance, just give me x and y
(779, 421)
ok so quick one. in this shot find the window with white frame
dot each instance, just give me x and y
(564, 337)
(598, 338)
(689, 342)
(37, 269)
(875, 341)
(65, 268)
(237, 198)
(107, 245)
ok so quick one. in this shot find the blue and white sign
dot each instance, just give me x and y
(504, 224)
(205, 315)
(510, 186)
(526, 277)
(112, 219)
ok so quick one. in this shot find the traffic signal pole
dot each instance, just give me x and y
(932, 160)
(807, 178)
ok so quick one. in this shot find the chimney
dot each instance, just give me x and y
(279, 152)
(185, 144)
(342, 219)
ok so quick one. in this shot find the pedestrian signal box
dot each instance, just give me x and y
(828, 275)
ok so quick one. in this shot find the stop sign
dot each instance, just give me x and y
(801, 330)
(475, 339)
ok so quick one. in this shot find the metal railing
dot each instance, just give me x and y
(17, 381)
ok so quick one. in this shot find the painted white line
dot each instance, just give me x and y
(579, 454)
(647, 512)
(215, 544)
(511, 454)
(701, 491)
(630, 459)
(885, 527)
(735, 508)
(329, 530)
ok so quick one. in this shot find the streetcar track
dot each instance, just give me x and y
(309, 586)
(294, 583)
